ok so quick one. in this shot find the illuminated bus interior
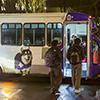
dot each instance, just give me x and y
(79, 30)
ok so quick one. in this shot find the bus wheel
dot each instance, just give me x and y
(1, 70)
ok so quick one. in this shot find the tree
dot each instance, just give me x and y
(10, 5)
(31, 5)
(28, 6)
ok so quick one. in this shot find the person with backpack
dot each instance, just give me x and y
(74, 55)
(53, 61)
(72, 39)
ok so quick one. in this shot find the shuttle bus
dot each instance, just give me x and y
(24, 39)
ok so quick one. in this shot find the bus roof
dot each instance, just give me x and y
(32, 17)
(76, 16)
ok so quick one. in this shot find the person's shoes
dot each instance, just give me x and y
(52, 91)
(77, 91)
(57, 93)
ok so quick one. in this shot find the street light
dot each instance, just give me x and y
(45, 8)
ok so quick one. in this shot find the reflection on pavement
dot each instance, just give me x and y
(8, 90)
(40, 91)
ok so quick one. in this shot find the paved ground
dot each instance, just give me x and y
(87, 93)
(25, 88)
(41, 91)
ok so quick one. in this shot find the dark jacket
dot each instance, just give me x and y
(53, 57)
(70, 50)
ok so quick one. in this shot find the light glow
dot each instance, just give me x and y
(9, 90)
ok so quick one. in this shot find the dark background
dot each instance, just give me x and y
(90, 7)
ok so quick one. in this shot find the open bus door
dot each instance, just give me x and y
(78, 29)
(84, 27)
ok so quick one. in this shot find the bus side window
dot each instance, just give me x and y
(11, 34)
(34, 34)
(54, 31)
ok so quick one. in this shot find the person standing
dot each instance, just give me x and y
(84, 50)
(53, 61)
(74, 55)
(72, 39)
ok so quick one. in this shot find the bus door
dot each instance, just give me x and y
(95, 56)
(78, 29)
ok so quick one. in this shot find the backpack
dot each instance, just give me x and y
(75, 55)
(52, 57)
